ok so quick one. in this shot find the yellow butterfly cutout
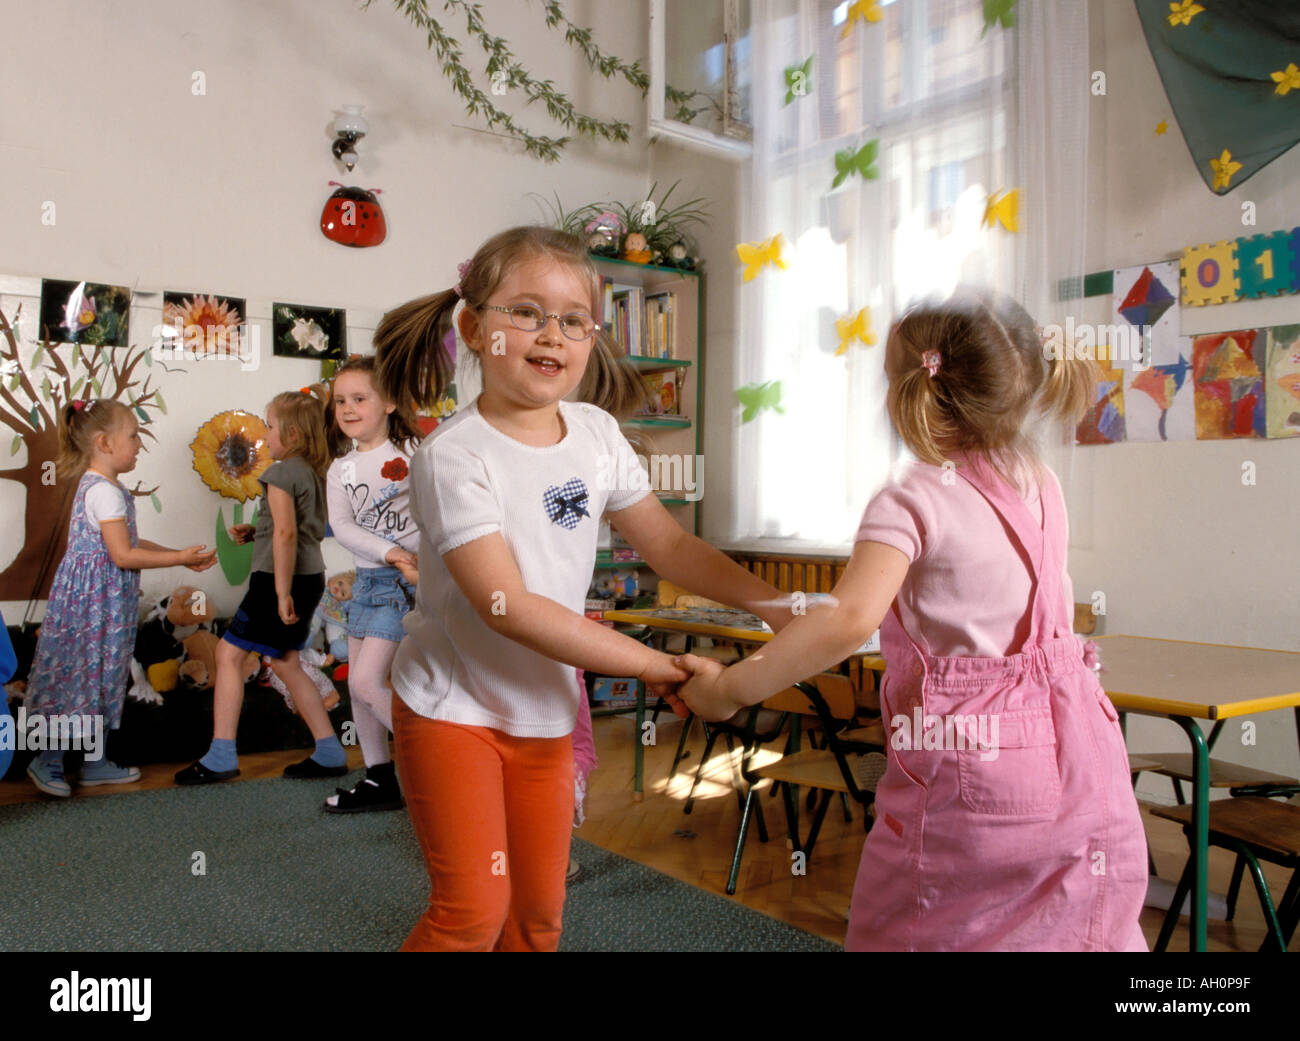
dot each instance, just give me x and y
(858, 325)
(1162, 126)
(1183, 13)
(862, 10)
(1287, 79)
(755, 255)
(1224, 167)
(1002, 207)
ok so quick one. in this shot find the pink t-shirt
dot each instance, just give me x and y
(967, 591)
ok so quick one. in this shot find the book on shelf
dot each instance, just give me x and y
(661, 325)
(663, 394)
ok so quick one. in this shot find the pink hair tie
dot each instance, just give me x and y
(461, 270)
(930, 361)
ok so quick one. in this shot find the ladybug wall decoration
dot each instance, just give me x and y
(352, 217)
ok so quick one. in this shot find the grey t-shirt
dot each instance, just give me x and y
(307, 489)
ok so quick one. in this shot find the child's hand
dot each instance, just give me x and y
(197, 558)
(410, 572)
(242, 533)
(287, 614)
(703, 693)
(662, 677)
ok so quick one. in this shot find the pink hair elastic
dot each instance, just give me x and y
(930, 361)
(461, 270)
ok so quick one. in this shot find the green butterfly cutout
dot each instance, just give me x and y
(848, 162)
(759, 396)
(798, 80)
(995, 11)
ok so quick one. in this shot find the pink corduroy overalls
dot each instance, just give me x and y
(1030, 841)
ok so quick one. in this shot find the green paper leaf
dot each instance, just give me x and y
(156, 504)
(148, 359)
(36, 357)
(144, 416)
(996, 11)
(162, 405)
(45, 388)
(13, 383)
(76, 387)
(235, 561)
(798, 80)
(35, 417)
(17, 444)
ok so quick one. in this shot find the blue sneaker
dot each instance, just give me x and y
(48, 777)
(105, 771)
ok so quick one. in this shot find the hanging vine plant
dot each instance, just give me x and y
(506, 73)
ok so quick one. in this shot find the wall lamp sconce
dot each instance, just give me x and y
(349, 128)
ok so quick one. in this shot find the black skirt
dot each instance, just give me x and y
(257, 626)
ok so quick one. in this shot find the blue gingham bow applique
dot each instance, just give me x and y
(566, 505)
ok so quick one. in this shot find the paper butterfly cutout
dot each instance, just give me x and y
(759, 396)
(1002, 207)
(859, 326)
(755, 255)
(848, 162)
(996, 11)
(862, 10)
(798, 80)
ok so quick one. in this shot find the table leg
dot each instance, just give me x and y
(637, 794)
(1200, 828)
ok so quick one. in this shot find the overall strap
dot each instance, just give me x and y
(1037, 545)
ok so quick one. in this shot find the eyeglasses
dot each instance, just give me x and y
(576, 325)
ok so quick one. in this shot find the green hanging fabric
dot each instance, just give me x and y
(1227, 67)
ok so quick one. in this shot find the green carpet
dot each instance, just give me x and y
(115, 874)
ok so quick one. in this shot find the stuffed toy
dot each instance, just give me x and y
(311, 661)
(199, 669)
(155, 666)
(332, 616)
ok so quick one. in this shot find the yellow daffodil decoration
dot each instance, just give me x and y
(857, 326)
(757, 255)
(1183, 13)
(230, 454)
(1224, 167)
(1287, 79)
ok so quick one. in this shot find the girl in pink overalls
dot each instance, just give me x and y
(1024, 833)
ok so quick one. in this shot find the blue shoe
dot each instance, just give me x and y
(105, 771)
(48, 777)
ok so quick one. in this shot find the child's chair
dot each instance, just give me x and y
(851, 763)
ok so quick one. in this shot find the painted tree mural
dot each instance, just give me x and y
(31, 396)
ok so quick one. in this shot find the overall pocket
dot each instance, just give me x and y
(1017, 776)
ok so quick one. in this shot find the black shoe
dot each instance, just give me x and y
(309, 769)
(197, 773)
(367, 796)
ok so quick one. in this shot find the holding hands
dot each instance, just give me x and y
(705, 693)
(405, 562)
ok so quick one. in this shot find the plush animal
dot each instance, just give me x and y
(332, 616)
(159, 652)
(199, 669)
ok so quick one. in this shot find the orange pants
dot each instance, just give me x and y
(493, 814)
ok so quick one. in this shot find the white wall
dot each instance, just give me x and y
(1182, 549)
(156, 188)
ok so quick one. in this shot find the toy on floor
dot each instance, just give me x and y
(311, 661)
(332, 616)
(174, 642)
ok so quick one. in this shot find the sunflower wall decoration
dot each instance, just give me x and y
(230, 454)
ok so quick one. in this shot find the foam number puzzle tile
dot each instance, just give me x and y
(1209, 274)
(1265, 264)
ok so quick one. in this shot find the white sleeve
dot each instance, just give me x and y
(452, 497)
(103, 503)
(625, 461)
(362, 544)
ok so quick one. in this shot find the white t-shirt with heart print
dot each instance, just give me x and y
(468, 479)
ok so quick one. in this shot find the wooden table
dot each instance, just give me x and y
(1185, 682)
(719, 623)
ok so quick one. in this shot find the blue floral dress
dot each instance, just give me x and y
(84, 655)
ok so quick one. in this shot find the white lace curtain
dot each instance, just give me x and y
(959, 113)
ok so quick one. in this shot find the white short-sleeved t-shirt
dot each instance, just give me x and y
(104, 502)
(468, 479)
